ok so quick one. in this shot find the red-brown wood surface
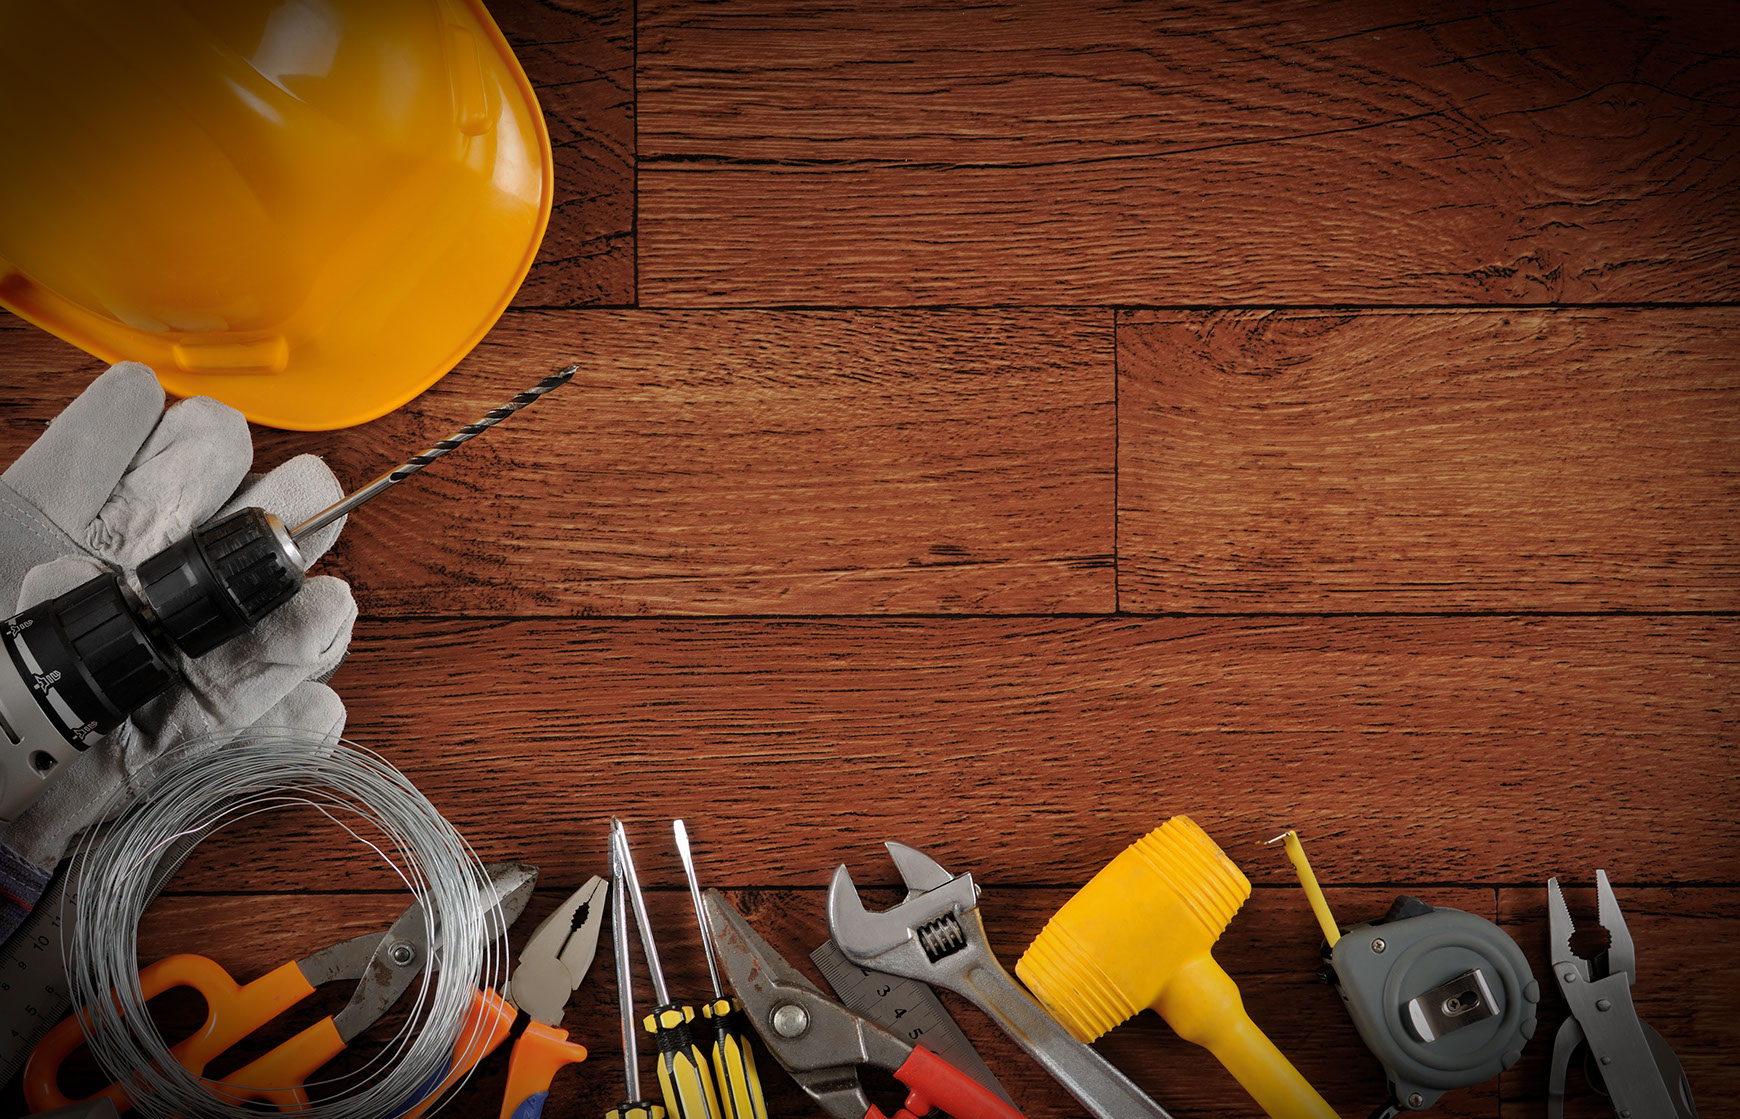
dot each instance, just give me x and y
(1426, 460)
(917, 151)
(579, 55)
(886, 504)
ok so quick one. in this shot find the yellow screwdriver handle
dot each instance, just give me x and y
(684, 1078)
(734, 1063)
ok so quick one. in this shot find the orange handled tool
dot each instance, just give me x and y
(233, 1011)
(551, 965)
(383, 963)
(487, 1025)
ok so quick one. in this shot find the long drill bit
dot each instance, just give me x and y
(417, 462)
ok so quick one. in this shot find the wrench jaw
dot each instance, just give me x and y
(919, 871)
(937, 936)
(913, 937)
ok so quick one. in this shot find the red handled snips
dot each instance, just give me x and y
(821, 1043)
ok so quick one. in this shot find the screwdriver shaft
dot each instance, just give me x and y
(681, 831)
(685, 1078)
(734, 1072)
(624, 976)
(417, 462)
(661, 994)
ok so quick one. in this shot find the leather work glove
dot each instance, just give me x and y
(114, 480)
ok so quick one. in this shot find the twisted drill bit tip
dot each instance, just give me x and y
(417, 462)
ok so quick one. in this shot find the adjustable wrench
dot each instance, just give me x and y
(937, 936)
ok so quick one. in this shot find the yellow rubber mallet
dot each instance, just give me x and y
(1138, 936)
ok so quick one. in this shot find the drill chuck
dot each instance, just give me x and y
(222, 580)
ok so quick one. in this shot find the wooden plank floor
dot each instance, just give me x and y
(1003, 426)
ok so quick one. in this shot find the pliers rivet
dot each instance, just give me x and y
(791, 1020)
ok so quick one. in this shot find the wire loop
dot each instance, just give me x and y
(197, 790)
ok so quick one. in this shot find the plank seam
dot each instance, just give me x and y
(1117, 473)
(1192, 308)
(1067, 616)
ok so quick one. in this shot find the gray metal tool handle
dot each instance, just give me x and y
(1090, 1078)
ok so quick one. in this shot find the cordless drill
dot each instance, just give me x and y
(77, 665)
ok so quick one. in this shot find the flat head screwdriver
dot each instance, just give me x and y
(733, 1061)
(685, 1078)
(633, 1107)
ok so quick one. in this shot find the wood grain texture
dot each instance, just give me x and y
(1419, 460)
(704, 462)
(1479, 750)
(1026, 151)
(579, 55)
(1452, 590)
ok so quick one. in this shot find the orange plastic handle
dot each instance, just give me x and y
(538, 1055)
(279, 1077)
(232, 1012)
(487, 1024)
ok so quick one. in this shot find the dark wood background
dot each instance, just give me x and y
(1003, 426)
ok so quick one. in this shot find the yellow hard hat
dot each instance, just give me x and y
(309, 209)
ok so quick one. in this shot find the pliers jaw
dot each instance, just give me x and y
(388, 963)
(815, 1039)
(1620, 955)
(558, 954)
(1637, 1067)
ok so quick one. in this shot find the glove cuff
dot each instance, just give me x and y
(21, 885)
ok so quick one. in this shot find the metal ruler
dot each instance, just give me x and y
(906, 1008)
(33, 988)
(34, 995)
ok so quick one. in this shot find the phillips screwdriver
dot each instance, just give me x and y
(733, 1061)
(684, 1076)
(77, 665)
(633, 1107)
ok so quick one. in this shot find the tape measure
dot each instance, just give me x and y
(906, 1008)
